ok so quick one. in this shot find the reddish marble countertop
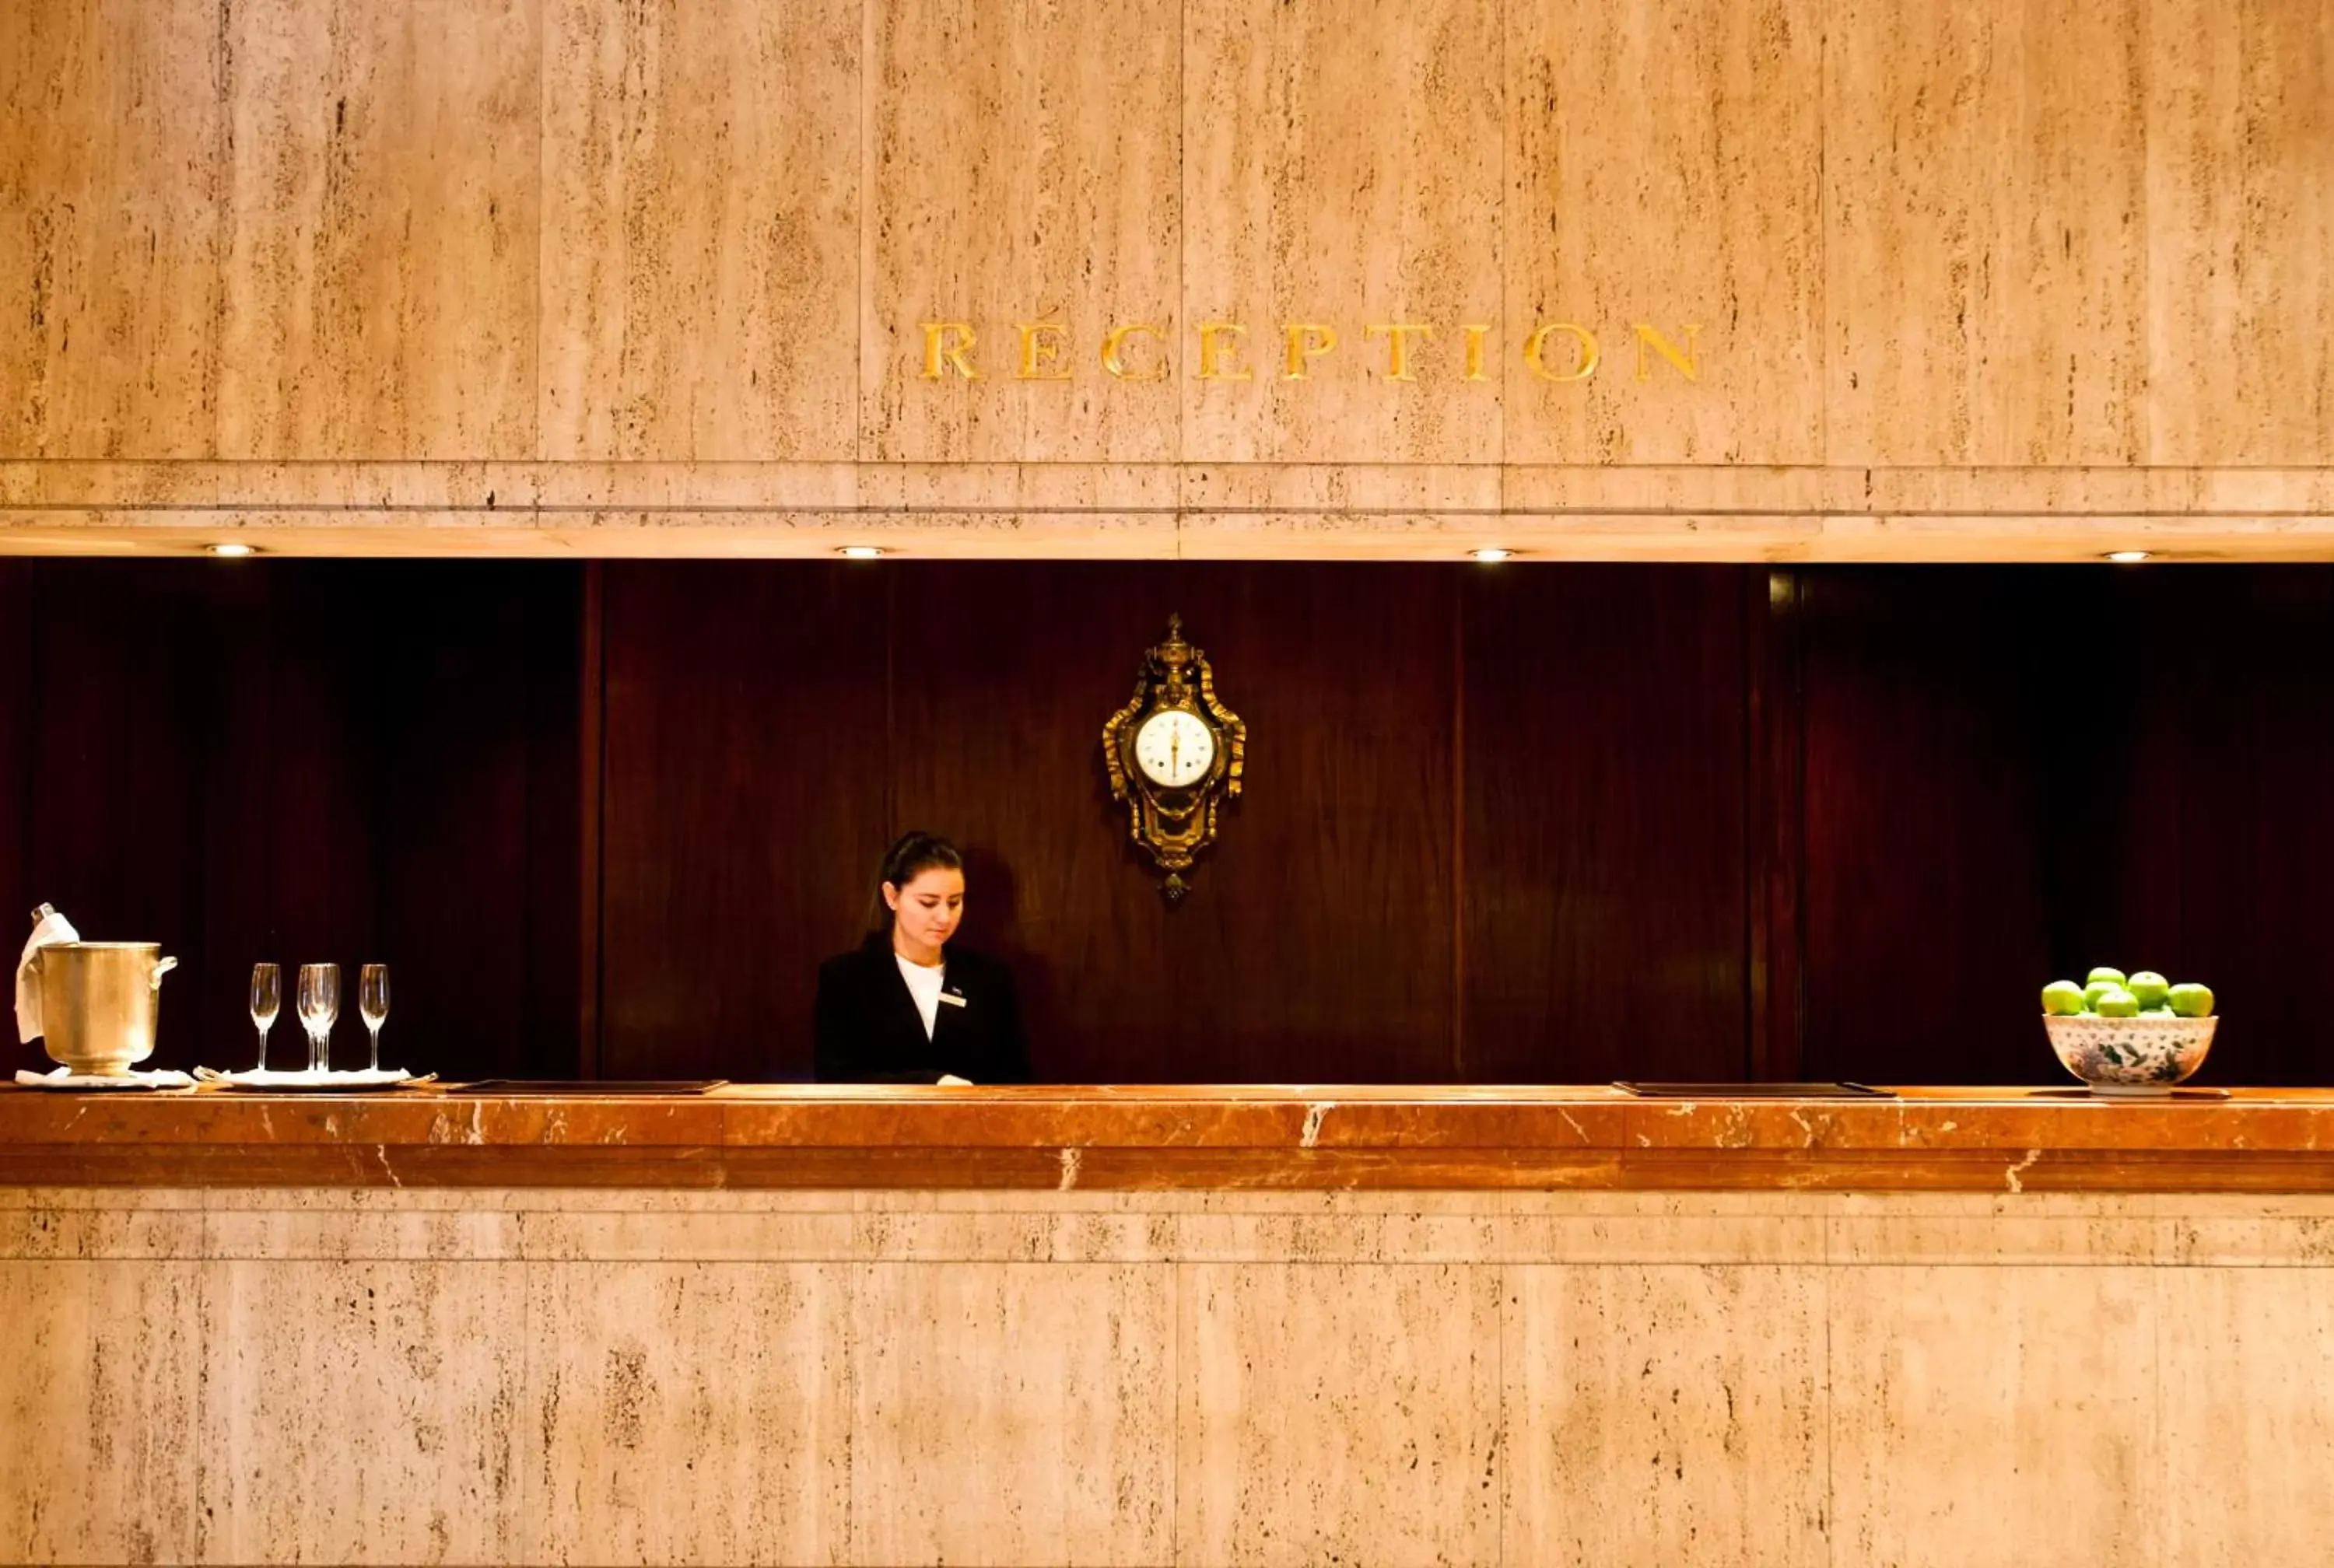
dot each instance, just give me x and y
(1291, 1135)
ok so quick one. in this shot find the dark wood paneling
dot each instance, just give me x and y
(1003, 676)
(1537, 823)
(1314, 945)
(481, 877)
(2245, 726)
(1927, 821)
(328, 731)
(249, 862)
(591, 722)
(2016, 774)
(744, 798)
(1976, 785)
(122, 681)
(1318, 947)
(305, 762)
(1606, 873)
(1775, 710)
(16, 897)
(2093, 671)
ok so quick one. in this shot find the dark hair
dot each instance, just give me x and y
(913, 853)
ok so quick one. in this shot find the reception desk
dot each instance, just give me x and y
(1150, 1325)
(1324, 1137)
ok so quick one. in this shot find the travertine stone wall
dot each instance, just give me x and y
(1152, 1378)
(549, 275)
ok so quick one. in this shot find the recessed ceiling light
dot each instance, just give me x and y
(231, 551)
(860, 552)
(1491, 553)
(2127, 557)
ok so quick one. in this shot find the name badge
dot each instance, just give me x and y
(951, 998)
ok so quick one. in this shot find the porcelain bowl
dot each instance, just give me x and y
(2130, 1056)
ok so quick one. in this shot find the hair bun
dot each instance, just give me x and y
(918, 850)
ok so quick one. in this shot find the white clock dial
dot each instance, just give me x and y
(1174, 749)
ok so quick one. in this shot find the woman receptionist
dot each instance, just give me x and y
(907, 1008)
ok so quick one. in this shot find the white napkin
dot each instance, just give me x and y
(338, 1078)
(66, 1078)
(50, 926)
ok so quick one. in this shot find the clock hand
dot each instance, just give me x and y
(1175, 751)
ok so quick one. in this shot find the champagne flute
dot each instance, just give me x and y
(267, 1001)
(320, 1009)
(373, 1002)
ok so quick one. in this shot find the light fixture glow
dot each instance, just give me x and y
(860, 552)
(1491, 553)
(231, 552)
(2127, 557)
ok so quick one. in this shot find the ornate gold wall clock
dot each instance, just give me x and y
(1175, 755)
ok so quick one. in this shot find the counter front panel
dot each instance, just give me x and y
(1158, 1138)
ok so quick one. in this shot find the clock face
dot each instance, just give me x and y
(1174, 749)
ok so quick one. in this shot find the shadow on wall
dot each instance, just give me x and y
(992, 925)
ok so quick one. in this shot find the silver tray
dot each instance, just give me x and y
(349, 1082)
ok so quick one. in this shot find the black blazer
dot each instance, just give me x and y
(866, 1030)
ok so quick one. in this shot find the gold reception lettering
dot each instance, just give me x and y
(1212, 347)
(1113, 352)
(1661, 346)
(1536, 347)
(1041, 357)
(1475, 336)
(1306, 341)
(1398, 345)
(1046, 352)
(936, 350)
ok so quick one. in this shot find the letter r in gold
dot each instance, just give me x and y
(938, 349)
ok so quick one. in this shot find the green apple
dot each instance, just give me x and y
(2062, 999)
(2094, 990)
(2112, 977)
(2115, 1002)
(2150, 987)
(2191, 1000)
(2157, 1013)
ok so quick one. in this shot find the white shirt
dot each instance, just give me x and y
(925, 986)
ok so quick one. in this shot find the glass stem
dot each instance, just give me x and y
(263, 1049)
(375, 1032)
(319, 1054)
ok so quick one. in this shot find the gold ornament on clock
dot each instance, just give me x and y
(1174, 753)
